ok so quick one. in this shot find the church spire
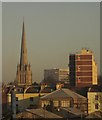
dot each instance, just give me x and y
(24, 73)
(23, 56)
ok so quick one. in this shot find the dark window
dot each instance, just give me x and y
(31, 98)
(17, 107)
(96, 97)
(96, 106)
(31, 105)
(16, 98)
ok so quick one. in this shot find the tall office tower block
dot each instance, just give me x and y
(82, 69)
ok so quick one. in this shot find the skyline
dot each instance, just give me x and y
(51, 30)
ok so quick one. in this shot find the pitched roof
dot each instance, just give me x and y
(95, 115)
(32, 89)
(63, 93)
(74, 111)
(18, 89)
(43, 113)
(95, 88)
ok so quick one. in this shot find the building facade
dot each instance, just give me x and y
(24, 97)
(65, 98)
(24, 73)
(82, 69)
(94, 96)
(57, 74)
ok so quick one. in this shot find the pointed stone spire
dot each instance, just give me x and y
(24, 73)
(23, 56)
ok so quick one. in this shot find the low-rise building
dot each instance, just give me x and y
(64, 98)
(25, 97)
(94, 96)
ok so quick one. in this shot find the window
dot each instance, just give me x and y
(96, 106)
(31, 106)
(78, 68)
(78, 57)
(31, 98)
(65, 103)
(56, 103)
(16, 98)
(45, 103)
(17, 107)
(79, 80)
(96, 97)
(75, 103)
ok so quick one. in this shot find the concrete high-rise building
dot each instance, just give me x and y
(82, 69)
(24, 74)
(57, 74)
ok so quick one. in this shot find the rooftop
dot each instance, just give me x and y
(40, 113)
(63, 93)
(32, 89)
(95, 88)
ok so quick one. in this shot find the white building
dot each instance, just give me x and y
(94, 99)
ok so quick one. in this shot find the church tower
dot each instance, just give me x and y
(24, 74)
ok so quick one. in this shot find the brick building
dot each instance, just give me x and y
(82, 69)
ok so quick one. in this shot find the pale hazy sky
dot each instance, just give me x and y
(53, 31)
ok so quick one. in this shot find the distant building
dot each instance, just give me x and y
(94, 96)
(65, 98)
(50, 87)
(25, 97)
(61, 75)
(24, 74)
(82, 69)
